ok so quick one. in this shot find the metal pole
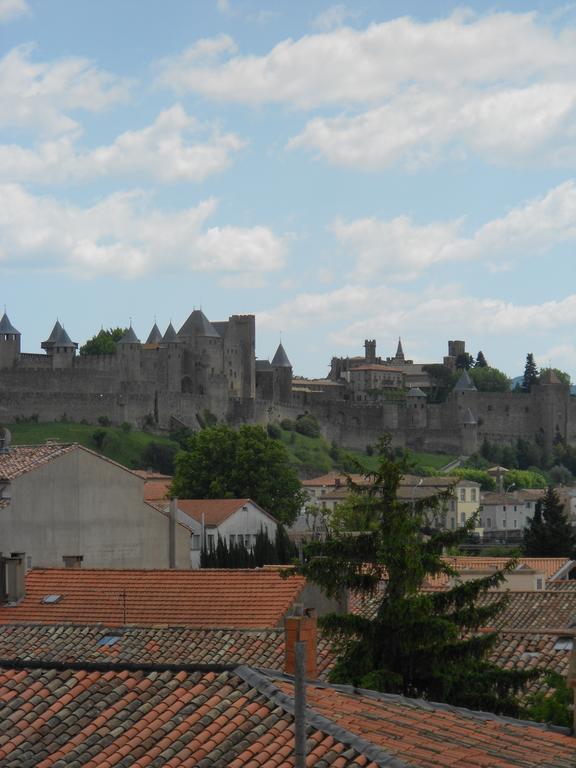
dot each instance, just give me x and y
(300, 705)
(172, 533)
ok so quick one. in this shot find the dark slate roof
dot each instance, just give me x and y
(465, 383)
(198, 325)
(416, 392)
(468, 417)
(263, 365)
(155, 336)
(129, 337)
(170, 335)
(63, 340)
(7, 327)
(53, 336)
(280, 359)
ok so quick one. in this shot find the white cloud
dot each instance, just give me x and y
(401, 249)
(166, 151)
(333, 17)
(124, 235)
(369, 65)
(41, 95)
(11, 9)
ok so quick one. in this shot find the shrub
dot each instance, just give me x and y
(307, 425)
(99, 436)
(104, 421)
(274, 431)
(126, 427)
(287, 424)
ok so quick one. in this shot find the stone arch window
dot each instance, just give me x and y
(187, 385)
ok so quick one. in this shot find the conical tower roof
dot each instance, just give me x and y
(129, 337)
(399, 351)
(63, 340)
(170, 335)
(280, 359)
(465, 383)
(53, 336)
(7, 327)
(415, 392)
(155, 335)
(198, 325)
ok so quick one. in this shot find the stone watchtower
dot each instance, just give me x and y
(9, 343)
(282, 375)
(370, 350)
(465, 395)
(60, 347)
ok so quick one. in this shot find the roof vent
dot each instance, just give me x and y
(5, 440)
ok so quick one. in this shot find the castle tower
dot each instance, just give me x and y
(9, 343)
(416, 409)
(468, 433)
(282, 372)
(202, 353)
(370, 350)
(551, 400)
(62, 350)
(171, 344)
(128, 351)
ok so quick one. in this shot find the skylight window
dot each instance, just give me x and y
(108, 640)
(563, 644)
(51, 599)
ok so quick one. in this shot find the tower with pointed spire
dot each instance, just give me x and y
(9, 343)
(282, 376)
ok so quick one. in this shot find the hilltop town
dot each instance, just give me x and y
(173, 377)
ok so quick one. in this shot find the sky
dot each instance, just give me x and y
(365, 170)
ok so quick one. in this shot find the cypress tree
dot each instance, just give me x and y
(480, 360)
(549, 533)
(530, 373)
(418, 644)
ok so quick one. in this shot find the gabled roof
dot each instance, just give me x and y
(6, 326)
(25, 458)
(155, 336)
(170, 335)
(256, 598)
(280, 359)
(129, 337)
(198, 325)
(465, 383)
(216, 511)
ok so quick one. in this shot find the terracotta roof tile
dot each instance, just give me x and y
(162, 645)
(24, 458)
(245, 599)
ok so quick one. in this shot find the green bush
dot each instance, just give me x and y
(126, 427)
(307, 425)
(274, 431)
(287, 424)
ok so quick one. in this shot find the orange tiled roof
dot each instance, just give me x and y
(262, 648)
(24, 458)
(173, 718)
(549, 566)
(256, 598)
(157, 490)
(426, 735)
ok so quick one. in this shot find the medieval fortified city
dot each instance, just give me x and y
(287, 384)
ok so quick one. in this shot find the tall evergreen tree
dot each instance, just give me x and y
(549, 533)
(419, 643)
(480, 360)
(530, 373)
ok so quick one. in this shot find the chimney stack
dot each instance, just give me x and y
(72, 561)
(15, 576)
(301, 628)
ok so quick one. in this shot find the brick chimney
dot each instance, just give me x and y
(72, 561)
(301, 627)
(15, 576)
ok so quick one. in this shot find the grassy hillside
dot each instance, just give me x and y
(310, 456)
(126, 447)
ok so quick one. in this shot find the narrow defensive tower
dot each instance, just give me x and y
(282, 368)
(9, 343)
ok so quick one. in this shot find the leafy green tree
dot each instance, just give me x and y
(489, 379)
(442, 381)
(480, 360)
(220, 462)
(552, 705)
(464, 360)
(530, 373)
(525, 478)
(549, 533)
(103, 343)
(419, 644)
(487, 483)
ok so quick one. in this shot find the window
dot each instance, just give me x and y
(563, 644)
(196, 541)
(51, 599)
(488, 522)
(451, 522)
(539, 586)
(452, 506)
(462, 494)
(108, 640)
(472, 494)
(462, 518)
(503, 523)
(515, 523)
(504, 508)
